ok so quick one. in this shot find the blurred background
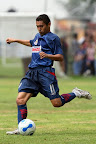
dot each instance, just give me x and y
(73, 21)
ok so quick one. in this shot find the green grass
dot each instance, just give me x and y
(74, 123)
(12, 71)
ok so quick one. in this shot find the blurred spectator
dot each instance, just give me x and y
(79, 59)
(95, 55)
(64, 46)
(86, 36)
(93, 41)
(90, 57)
(74, 44)
(95, 61)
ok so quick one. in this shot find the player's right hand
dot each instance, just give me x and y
(9, 40)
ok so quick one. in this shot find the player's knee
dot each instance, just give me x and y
(20, 101)
(56, 105)
(56, 102)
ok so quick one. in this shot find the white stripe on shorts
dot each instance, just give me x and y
(52, 89)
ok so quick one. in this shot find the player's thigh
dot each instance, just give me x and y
(55, 98)
(48, 83)
(23, 97)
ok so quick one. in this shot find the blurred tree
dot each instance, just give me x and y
(82, 8)
(90, 1)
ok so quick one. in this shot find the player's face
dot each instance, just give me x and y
(42, 27)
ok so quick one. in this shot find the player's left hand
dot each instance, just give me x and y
(42, 55)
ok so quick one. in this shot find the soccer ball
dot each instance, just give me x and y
(26, 127)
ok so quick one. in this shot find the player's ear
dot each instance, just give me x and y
(49, 24)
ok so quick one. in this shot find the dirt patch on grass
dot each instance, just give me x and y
(62, 111)
(85, 122)
(81, 111)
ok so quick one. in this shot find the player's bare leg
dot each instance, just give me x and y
(65, 98)
(23, 97)
(56, 102)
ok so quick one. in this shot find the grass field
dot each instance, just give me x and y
(74, 123)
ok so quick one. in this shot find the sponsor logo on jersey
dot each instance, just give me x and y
(36, 49)
(36, 42)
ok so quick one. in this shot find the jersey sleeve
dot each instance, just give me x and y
(31, 42)
(57, 46)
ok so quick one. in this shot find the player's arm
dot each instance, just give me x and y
(56, 57)
(24, 42)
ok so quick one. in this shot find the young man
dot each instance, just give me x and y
(41, 77)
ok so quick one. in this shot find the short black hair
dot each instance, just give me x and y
(43, 17)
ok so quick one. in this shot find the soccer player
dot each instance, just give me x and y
(46, 48)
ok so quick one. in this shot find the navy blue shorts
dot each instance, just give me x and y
(41, 80)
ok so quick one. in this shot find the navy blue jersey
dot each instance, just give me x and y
(48, 43)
